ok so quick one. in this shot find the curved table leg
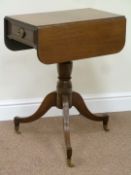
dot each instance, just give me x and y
(67, 129)
(48, 102)
(78, 103)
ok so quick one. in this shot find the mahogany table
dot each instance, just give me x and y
(61, 37)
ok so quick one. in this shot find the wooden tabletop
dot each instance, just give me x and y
(66, 35)
(66, 16)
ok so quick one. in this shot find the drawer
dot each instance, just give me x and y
(21, 33)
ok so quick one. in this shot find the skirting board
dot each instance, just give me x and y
(102, 103)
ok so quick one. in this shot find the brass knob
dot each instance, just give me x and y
(21, 33)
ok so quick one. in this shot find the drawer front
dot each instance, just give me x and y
(21, 33)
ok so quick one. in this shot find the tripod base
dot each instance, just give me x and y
(63, 99)
(50, 101)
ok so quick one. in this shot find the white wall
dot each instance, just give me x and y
(109, 74)
(23, 76)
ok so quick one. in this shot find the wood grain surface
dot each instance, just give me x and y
(79, 40)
